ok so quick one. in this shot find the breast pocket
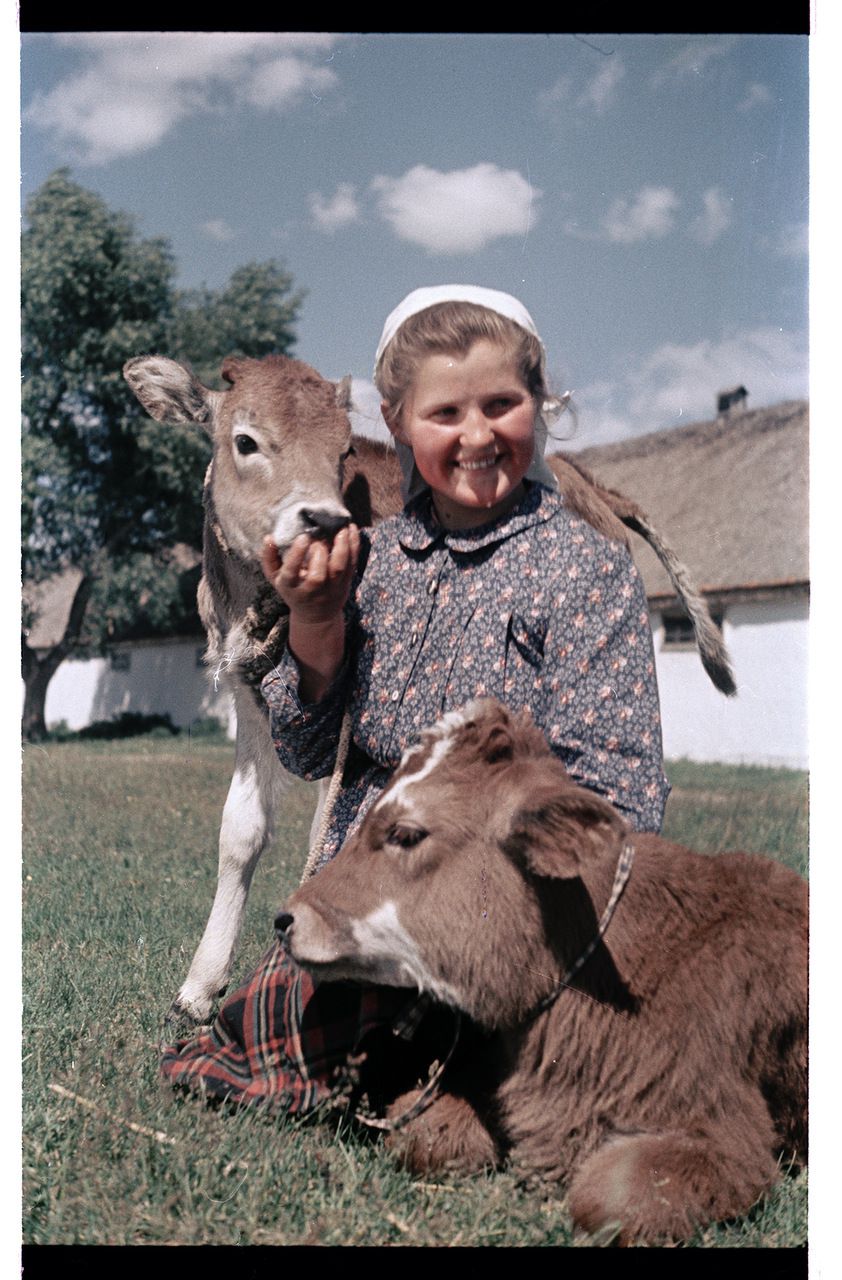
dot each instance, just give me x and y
(525, 639)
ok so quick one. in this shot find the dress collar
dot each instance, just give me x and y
(418, 528)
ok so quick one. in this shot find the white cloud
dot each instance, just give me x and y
(678, 384)
(134, 87)
(558, 93)
(283, 81)
(217, 229)
(770, 362)
(756, 95)
(714, 218)
(648, 214)
(338, 210)
(691, 60)
(600, 92)
(91, 123)
(596, 415)
(457, 212)
(790, 241)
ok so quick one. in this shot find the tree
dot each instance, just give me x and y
(250, 316)
(106, 491)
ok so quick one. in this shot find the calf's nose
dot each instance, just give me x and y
(323, 524)
(283, 921)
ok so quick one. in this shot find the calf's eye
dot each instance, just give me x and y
(405, 836)
(245, 444)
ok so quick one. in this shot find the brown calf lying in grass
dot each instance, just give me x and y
(643, 1033)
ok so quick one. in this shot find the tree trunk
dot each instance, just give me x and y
(37, 674)
(39, 667)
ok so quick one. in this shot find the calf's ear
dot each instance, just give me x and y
(343, 393)
(503, 735)
(169, 392)
(557, 829)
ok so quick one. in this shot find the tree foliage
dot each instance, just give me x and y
(106, 490)
(93, 294)
(251, 316)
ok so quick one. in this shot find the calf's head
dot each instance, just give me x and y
(280, 434)
(464, 878)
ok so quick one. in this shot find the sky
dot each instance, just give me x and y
(645, 196)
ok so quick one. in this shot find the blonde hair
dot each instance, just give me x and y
(454, 327)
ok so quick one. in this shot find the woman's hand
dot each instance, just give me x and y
(314, 580)
(314, 577)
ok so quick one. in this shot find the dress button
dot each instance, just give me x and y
(432, 587)
(395, 696)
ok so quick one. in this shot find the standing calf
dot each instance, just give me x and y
(661, 1077)
(284, 463)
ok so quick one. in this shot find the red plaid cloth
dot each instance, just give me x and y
(280, 1038)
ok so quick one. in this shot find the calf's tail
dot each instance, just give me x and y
(590, 502)
(711, 645)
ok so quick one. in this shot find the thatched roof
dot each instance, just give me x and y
(51, 600)
(730, 496)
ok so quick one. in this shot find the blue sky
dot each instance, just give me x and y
(644, 195)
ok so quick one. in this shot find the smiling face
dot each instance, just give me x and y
(469, 421)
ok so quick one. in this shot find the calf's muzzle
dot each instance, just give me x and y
(323, 524)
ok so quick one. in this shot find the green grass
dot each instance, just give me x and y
(119, 866)
(714, 807)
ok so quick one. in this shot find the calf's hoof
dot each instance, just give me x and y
(189, 1014)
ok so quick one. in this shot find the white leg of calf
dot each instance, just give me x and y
(247, 824)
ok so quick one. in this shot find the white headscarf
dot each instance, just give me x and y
(505, 305)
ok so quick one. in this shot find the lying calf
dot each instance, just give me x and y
(644, 1007)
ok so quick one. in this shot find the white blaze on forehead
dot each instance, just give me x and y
(380, 936)
(443, 731)
(241, 420)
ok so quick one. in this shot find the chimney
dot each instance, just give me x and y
(734, 398)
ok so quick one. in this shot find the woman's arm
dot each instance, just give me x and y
(305, 735)
(307, 691)
(314, 581)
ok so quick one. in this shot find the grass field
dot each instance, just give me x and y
(119, 864)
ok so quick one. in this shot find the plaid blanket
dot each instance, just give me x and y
(281, 1039)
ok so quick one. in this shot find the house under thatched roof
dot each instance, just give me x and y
(730, 496)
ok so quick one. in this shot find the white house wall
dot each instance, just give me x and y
(766, 722)
(163, 679)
